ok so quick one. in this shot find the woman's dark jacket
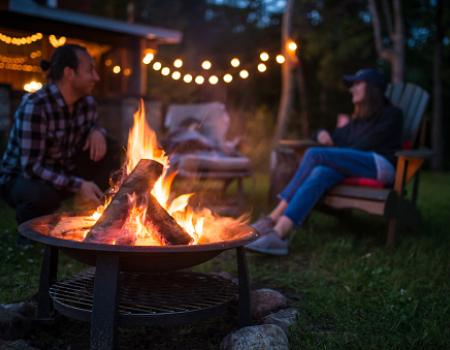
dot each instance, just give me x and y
(381, 133)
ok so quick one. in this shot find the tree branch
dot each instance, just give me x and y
(388, 18)
(382, 52)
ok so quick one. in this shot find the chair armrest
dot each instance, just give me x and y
(409, 162)
(423, 153)
(298, 146)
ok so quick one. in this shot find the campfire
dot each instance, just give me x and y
(140, 208)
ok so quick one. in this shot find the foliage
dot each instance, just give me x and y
(256, 135)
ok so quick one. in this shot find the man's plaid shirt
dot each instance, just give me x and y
(46, 137)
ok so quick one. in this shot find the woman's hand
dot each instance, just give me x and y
(96, 143)
(324, 138)
(342, 120)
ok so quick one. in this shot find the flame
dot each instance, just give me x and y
(143, 143)
(202, 226)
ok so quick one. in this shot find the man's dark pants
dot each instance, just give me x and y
(32, 198)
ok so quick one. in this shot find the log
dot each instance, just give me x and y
(167, 227)
(108, 228)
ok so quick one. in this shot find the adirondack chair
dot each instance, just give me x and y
(391, 203)
(202, 166)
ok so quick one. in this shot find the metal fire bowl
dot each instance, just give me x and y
(134, 258)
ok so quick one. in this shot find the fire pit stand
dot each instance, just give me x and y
(138, 285)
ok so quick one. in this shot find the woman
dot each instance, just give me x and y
(364, 147)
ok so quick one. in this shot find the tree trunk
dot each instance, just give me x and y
(304, 107)
(398, 39)
(287, 86)
(396, 55)
(437, 125)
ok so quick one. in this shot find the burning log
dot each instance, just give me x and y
(165, 224)
(108, 227)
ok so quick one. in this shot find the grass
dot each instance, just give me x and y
(351, 292)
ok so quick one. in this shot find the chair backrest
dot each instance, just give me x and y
(213, 117)
(412, 100)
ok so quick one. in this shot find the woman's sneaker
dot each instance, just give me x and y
(271, 243)
(263, 225)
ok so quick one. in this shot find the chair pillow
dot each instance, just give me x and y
(362, 181)
(213, 162)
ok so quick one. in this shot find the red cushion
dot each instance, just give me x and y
(363, 181)
(407, 145)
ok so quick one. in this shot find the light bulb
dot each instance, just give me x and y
(235, 62)
(244, 74)
(264, 56)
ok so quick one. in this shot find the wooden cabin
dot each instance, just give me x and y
(30, 32)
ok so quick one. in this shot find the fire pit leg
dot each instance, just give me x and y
(48, 276)
(244, 288)
(104, 309)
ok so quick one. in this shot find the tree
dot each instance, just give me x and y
(394, 54)
(287, 82)
(437, 123)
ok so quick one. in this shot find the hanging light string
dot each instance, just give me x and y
(20, 67)
(237, 71)
(30, 39)
(19, 41)
(20, 59)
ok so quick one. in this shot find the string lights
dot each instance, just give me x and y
(280, 59)
(19, 41)
(32, 86)
(20, 67)
(178, 63)
(214, 78)
(9, 59)
(209, 76)
(30, 39)
(173, 70)
(55, 42)
(149, 55)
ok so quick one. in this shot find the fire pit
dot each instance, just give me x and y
(136, 285)
(138, 241)
(134, 258)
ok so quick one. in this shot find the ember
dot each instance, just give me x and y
(140, 210)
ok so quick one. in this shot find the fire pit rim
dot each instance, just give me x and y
(26, 229)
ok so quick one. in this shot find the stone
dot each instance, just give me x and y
(265, 301)
(226, 275)
(262, 337)
(13, 325)
(284, 318)
(24, 308)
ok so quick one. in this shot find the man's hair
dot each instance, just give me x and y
(374, 100)
(64, 56)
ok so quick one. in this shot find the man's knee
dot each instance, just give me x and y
(47, 197)
(33, 198)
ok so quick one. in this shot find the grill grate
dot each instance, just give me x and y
(149, 295)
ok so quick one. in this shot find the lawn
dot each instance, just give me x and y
(351, 292)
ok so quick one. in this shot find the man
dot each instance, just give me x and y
(55, 147)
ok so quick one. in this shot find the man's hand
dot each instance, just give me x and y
(96, 143)
(90, 191)
(324, 138)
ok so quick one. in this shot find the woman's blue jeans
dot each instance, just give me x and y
(321, 169)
